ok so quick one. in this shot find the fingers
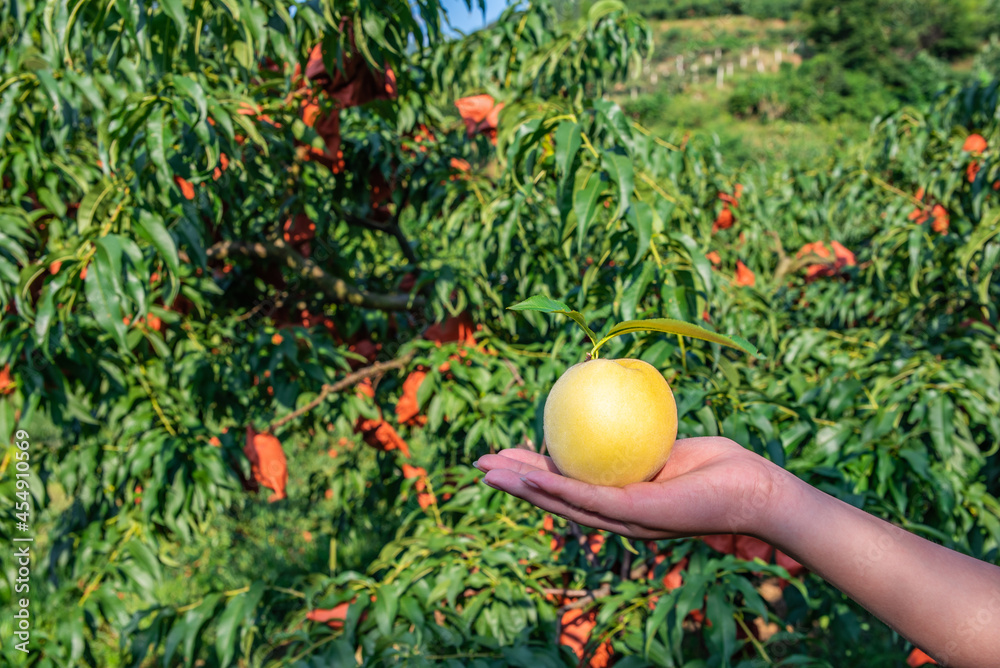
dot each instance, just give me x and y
(608, 508)
(516, 459)
(524, 470)
(612, 502)
(509, 481)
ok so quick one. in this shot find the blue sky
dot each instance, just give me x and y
(466, 21)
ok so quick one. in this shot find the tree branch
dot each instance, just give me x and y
(784, 264)
(588, 597)
(392, 227)
(337, 288)
(516, 376)
(626, 565)
(789, 265)
(348, 381)
(577, 534)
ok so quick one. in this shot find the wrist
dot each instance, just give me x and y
(782, 501)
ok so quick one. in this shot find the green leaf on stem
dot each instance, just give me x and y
(568, 142)
(193, 90)
(540, 303)
(640, 217)
(585, 205)
(91, 202)
(103, 289)
(175, 9)
(681, 328)
(619, 169)
(549, 305)
(227, 628)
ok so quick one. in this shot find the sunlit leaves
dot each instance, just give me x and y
(585, 205)
(599, 48)
(548, 305)
(46, 309)
(567, 143)
(99, 194)
(156, 145)
(190, 88)
(541, 303)
(640, 217)
(104, 288)
(176, 10)
(7, 108)
(227, 626)
(669, 326)
(619, 170)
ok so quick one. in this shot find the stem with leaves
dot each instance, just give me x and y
(664, 325)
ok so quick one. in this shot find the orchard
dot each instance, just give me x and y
(257, 264)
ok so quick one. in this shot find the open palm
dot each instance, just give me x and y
(708, 485)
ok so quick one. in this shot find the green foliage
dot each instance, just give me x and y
(819, 90)
(878, 36)
(987, 63)
(878, 384)
(866, 59)
(771, 9)
(660, 10)
(761, 9)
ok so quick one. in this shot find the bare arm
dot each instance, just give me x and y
(945, 602)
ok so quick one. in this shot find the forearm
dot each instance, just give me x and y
(945, 602)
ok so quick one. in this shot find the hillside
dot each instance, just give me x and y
(739, 79)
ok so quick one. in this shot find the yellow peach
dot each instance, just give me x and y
(610, 422)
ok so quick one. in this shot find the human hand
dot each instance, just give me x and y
(708, 485)
(713, 485)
